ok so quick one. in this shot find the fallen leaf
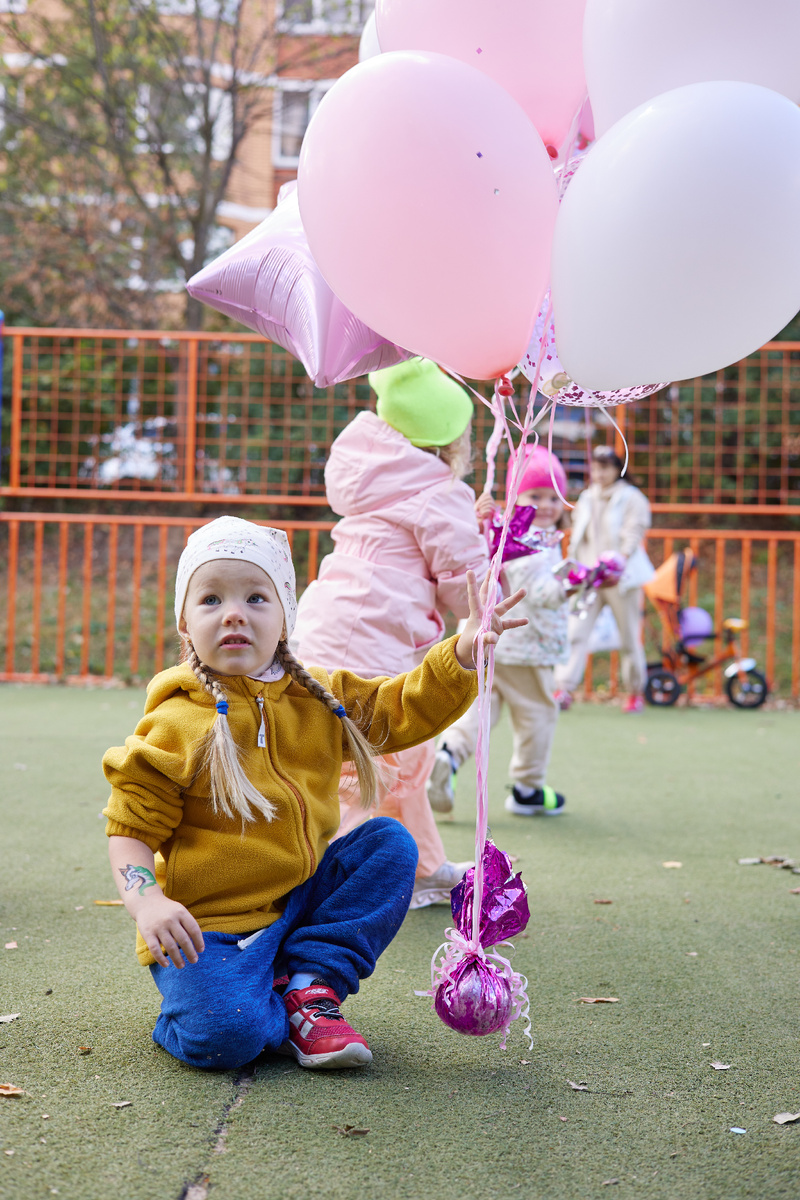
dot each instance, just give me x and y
(603, 902)
(674, 1153)
(109, 903)
(12, 946)
(78, 908)
(562, 1118)
(8, 1018)
(578, 1087)
(786, 1118)
(749, 862)
(84, 1050)
(720, 1066)
(737, 1129)
(349, 1130)
(691, 954)
(794, 891)
(706, 1044)
(20, 766)
(597, 1000)
(671, 864)
(10, 1153)
(524, 1062)
(10, 1089)
(121, 1103)
(608, 1182)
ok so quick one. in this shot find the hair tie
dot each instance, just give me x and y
(340, 712)
(222, 707)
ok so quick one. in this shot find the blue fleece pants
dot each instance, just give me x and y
(221, 1011)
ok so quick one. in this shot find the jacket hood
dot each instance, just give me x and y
(372, 466)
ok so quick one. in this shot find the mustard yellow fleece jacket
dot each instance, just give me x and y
(237, 880)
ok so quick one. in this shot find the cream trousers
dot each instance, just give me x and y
(403, 797)
(528, 692)
(627, 610)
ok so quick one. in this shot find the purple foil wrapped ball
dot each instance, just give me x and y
(476, 999)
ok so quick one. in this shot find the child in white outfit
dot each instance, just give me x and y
(524, 663)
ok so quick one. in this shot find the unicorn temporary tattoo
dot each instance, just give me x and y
(137, 877)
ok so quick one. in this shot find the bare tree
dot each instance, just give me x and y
(121, 125)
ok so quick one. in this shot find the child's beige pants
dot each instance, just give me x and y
(528, 692)
(627, 610)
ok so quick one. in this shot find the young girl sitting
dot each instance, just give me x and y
(225, 798)
(523, 664)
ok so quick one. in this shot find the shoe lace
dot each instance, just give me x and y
(324, 1006)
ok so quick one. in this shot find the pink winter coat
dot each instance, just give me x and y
(408, 535)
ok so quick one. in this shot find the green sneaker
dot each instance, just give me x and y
(545, 801)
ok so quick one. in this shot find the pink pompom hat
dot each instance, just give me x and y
(541, 469)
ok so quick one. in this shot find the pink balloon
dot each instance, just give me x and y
(429, 203)
(270, 282)
(533, 48)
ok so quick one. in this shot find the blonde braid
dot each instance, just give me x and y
(362, 752)
(232, 793)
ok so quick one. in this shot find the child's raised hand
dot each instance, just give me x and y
(485, 506)
(500, 622)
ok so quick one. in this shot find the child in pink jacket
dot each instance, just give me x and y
(407, 537)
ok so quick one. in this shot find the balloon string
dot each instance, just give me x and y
(608, 415)
(553, 480)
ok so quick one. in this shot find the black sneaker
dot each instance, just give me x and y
(544, 802)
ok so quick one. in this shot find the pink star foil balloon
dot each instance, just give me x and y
(270, 282)
(521, 540)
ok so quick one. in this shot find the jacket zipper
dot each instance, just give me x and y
(262, 742)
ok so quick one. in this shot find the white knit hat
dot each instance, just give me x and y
(231, 537)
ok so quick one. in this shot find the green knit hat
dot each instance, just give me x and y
(417, 399)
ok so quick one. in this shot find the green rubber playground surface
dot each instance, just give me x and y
(702, 958)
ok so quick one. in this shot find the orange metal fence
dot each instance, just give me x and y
(89, 595)
(178, 416)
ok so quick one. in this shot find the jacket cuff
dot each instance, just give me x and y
(450, 662)
(117, 829)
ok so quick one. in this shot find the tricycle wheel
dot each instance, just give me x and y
(747, 689)
(662, 688)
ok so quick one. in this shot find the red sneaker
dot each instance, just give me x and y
(319, 1036)
(633, 704)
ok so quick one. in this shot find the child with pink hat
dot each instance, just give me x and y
(524, 663)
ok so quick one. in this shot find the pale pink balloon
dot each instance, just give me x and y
(270, 282)
(429, 203)
(533, 48)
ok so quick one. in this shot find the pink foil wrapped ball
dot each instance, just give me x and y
(476, 999)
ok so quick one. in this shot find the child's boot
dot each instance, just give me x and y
(440, 784)
(319, 1036)
(436, 888)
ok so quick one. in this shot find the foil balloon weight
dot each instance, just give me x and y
(476, 999)
(474, 988)
(270, 282)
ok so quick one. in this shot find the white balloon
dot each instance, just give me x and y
(369, 45)
(677, 245)
(636, 49)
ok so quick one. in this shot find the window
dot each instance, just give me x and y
(295, 102)
(323, 16)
